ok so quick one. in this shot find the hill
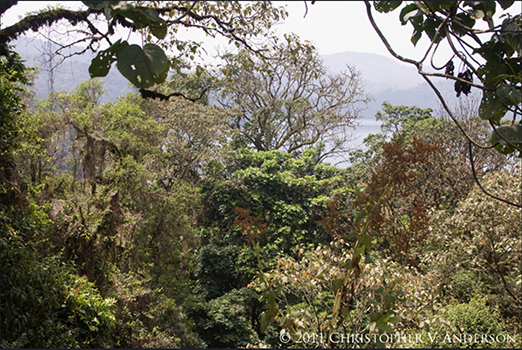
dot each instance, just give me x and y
(57, 75)
(384, 79)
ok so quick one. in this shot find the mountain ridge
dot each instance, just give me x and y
(384, 79)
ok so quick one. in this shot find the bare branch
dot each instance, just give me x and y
(385, 41)
(154, 94)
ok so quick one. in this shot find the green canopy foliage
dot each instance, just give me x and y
(158, 223)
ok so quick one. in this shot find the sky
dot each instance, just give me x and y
(332, 26)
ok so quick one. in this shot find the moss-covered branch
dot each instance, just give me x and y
(35, 22)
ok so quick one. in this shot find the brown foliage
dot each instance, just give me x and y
(395, 208)
(248, 224)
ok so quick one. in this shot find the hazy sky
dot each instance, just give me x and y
(333, 26)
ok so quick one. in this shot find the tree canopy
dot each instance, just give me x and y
(207, 216)
(287, 101)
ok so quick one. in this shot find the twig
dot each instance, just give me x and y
(480, 185)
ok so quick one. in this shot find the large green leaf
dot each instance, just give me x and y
(505, 4)
(509, 95)
(491, 107)
(386, 6)
(143, 67)
(513, 134)
(409, 12)
(101, 64)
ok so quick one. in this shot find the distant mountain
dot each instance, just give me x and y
(385, 79)
(389, 80)
(66, 75)
(379, 72)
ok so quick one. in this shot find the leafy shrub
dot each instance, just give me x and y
(44, 305)
(466, 320)
(227, 321)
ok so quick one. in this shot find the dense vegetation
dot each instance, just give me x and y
(211, 218)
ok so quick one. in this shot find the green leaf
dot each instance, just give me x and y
(481, 9)
(441, 5)
(366, 241)
(386, 6)
(337, 284)
(270, 297)
(430, 27)
(152, 15)
(159, 31)
(513, 41)
(491, 107)
(272, 312)
(408, 12)
(509, 95)
(265, 319)
(466, 19)
(513, 134)
(360, 251)
(143, 67)
(389, 299)
(418, 28)
(494, 73)
(384, 327)
(101, 64)
(476, 14)
(505, 4)
(359, 216)
(394, 320)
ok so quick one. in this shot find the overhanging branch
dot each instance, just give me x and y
(35, 22)
(480, 185)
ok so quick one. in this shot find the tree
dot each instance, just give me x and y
(188, 147)
(256, 208)
(157, 22)
(448, 178)
(484, 245)
(13, 78)
(287, 102)
(99, 183)
(493, 61)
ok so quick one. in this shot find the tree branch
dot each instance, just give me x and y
(154, 94)
(35, 22)
(480, 185)
(385, 41)
(6, 5)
